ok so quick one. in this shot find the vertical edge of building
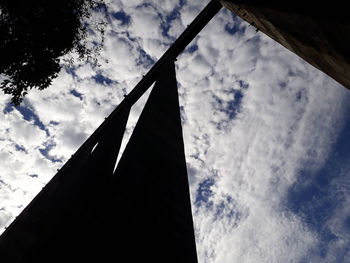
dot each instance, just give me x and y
(151, 191)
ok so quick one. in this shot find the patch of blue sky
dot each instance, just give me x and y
(183, 115)
(76, 94)
(100, 7)
(231, 107)
(54, 123)
(145, 59)
(196, 155)
(28, 114)
(121, 16)
(234, 27)
(191, 48)
(204, 192)
(317, 197)
(2, 182)
(242, 84)
(227, 208)
(70, 70)
(45, 152)
(347, 223)
(100, 79)
(8, 108)
(20, 148)
(145, 4)
(174, 14)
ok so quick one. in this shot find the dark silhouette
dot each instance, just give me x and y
(36, 33)
(139, 212)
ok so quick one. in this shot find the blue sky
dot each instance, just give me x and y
(266, 135)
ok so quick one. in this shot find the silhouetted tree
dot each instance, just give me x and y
(35, 34)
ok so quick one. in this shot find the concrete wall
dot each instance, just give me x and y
(320, 34)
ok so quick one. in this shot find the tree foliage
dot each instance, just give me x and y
(35, 34)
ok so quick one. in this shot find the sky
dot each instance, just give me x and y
(267, 136)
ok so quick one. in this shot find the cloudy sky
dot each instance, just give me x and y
(267, 136)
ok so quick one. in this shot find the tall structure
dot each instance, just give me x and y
(140, 212)
(318, 32)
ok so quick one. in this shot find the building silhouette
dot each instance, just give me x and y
(138, 212)
(318, 32)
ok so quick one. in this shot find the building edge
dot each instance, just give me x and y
(320, 35)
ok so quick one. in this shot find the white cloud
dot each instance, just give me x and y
(190, 11)
(176, 28)
(287, 119)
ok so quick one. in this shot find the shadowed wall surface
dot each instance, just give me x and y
(150, 187)
(317, 32)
